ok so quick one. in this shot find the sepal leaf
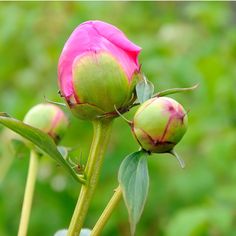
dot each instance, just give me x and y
(144, 89)
(174, 90)
(55, 103)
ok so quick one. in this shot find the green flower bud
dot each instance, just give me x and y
(159, 124)
(100, 84)
(48, 118)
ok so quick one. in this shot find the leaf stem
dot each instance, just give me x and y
(102, 131)
(114, 201)
(29, 192)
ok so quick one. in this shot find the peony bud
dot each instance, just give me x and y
(159, 124)
(48, 118)
(97, 70)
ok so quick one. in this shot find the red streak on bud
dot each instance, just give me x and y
(55, 121)
(166, 128)
(175, 113)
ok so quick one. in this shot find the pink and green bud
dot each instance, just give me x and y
(48, 118)
(97, 70)
(159, 124)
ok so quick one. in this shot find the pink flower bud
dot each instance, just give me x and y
(159, 124)
(48, 118)
(97, 69)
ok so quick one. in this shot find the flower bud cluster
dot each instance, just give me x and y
(97, 73)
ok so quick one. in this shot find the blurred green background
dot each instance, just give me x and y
(183, 43)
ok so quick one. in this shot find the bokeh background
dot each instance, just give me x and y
(183, 43)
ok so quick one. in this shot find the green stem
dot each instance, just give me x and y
(102, 131)
(107, 212)
(29, 192)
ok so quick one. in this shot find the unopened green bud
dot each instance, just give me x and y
(48, 118)
(100, 84)
(159, 124)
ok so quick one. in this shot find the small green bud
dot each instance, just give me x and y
(159, 124)
(48, 118)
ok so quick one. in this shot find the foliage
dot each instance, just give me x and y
(134, 181)
(183, 44)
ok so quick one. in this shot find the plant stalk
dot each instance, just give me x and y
(114, 201)
(102, 131)
(29, 192)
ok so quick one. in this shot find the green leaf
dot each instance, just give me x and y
(38, 138)
(175, 90)
(134, 181)
(144, 89)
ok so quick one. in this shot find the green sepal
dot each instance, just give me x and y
(132, 95)
(179, 159)
(134, 181)
(55, 103)
(174, 90)
(144, 89)
(86, 111)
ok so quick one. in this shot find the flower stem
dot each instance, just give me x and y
(107, 212)
(29, 192)
(102, 131)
